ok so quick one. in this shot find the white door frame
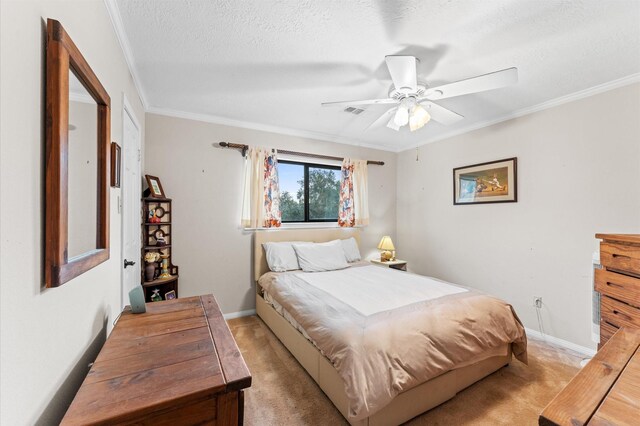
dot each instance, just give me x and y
(127, 110)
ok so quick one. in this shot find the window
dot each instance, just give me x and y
(308, 192)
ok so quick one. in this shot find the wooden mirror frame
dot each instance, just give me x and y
(63, 57)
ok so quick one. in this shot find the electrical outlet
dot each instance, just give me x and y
(537, 302)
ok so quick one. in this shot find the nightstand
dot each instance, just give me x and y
(400, 265)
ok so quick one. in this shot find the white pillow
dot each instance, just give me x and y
(281, 257)
(351, 250)
(321, 257)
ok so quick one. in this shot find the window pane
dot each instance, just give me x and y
(324, 190)
(291, 179)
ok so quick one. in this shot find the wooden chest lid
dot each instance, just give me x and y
(179, 349)
(605, 391)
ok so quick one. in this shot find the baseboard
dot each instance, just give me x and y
(232, 315)
(561, 343)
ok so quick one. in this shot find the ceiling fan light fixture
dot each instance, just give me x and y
(419, 117)
(392, 124)
(401, 118)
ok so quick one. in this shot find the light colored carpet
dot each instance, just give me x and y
(283, 394)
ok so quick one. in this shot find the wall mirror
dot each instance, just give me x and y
(77, 162)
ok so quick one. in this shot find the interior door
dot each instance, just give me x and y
(131, 214)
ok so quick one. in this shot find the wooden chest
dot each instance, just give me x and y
(606, 391)
(618, 283)
(175, 364)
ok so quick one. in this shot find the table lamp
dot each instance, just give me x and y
(388, 250)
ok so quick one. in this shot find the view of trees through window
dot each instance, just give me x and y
(321, 183)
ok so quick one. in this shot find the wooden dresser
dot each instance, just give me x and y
(618, 283)
(606, 391)
(176, 364)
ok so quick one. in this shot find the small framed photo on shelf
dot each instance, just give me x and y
(170, 295)
(492, 182)
(116, 160)
(155, 187)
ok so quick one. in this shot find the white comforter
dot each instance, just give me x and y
(372, 289)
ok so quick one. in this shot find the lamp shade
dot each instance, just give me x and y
(386, 243)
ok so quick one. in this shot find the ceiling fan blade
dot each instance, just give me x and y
(365, 102)
(494, 80)
(441, 114)
(382, 120)
(403, 70)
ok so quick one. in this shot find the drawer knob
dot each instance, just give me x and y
(622, 314)
(614, 255)
(610, 284)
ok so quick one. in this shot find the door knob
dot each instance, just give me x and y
(128, 263)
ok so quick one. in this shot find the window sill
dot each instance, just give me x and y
(297, 225)
(301, 225)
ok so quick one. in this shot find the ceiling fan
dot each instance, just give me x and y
(413, 98)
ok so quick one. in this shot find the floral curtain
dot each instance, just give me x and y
(346, 216)
(261, 195)
(353, 207)
(272, 214)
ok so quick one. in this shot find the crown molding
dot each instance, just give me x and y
(601, 88)
(207, 118)
(118, 26)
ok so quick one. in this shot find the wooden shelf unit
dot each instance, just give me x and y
(150, 204)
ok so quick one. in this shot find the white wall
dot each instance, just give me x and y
(578, 174)
(205, 183)
(48, 335)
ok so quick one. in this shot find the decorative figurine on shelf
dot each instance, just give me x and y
(155, 297)
(159, 236)
(155, 215)
(165, 266)
(150, 270)
(161, 242)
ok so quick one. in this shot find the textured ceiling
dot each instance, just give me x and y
(273, 62)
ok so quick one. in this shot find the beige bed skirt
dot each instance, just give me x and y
(406, 405)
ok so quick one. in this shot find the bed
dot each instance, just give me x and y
(295, 307)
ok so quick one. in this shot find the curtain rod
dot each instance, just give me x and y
(243, 150)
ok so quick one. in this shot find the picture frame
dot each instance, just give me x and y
(170, 295)
(155, 187)
(485, 183)
(116, 162)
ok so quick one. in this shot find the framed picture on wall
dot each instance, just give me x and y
(155, 187)
(115, 165)
(492, 182)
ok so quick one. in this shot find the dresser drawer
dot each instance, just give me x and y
(606, 331)
(618, 286)
(620, 257)
(619, 314)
